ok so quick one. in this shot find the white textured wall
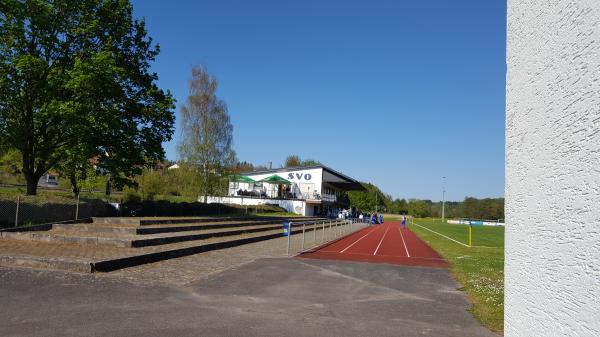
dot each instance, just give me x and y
(552, 194)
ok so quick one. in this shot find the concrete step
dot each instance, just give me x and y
(146, 221)
(75, 257)
(170, 228)
(155, 229)
(119, 239)
(95, 228)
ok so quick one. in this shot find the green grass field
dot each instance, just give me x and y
(478, 269)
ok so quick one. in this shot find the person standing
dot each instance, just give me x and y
(404, 221)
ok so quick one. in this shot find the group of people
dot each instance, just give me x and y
(376, 219)
(252, 193)
(344, 214)
(373, 217)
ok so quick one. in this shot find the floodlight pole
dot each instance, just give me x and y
(443, 197)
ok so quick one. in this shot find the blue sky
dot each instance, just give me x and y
(397, 93)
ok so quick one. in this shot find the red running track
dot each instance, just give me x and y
(385, 243)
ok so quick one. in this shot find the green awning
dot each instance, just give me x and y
(275, 179)
(240, 179)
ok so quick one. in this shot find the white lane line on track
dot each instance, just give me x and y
(362, 237)
(451, 239)
(403, 242)
(412, 257)
(380, 241)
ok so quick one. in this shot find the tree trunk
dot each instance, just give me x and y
(74, 186)
(32, 182)
(205, 184)
(108, 187)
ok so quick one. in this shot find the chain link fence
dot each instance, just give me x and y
(23, 210)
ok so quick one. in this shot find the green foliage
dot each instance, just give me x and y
(10, 167)
(295, 161)
(10, 162)
(369, 200)
(473, 208)
(151, 184)
(310, 162)
(131, 196)
(419, 208)
(75, 83)
(398, 206)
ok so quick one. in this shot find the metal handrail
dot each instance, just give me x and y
(340, 226)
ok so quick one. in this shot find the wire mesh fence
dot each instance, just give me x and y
(23, 210)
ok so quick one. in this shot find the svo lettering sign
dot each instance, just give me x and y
(292, 176)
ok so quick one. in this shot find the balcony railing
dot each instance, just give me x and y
(305, 196)
(329, 197)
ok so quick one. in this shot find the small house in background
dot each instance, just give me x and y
(50, 179)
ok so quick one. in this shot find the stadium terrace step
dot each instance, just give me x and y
(188, 220)
(157, 229)
(119, 239)
(88, 258)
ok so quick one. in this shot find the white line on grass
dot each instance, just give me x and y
(451, 239)
(402, 236)
(380, 241)
(353, 243)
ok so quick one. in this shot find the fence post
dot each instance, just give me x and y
(17, 211)
(77, 208)
(289, 237)
(315, 232)
(470, 236)
(303, 231)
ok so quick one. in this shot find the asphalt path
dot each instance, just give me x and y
(268, 297)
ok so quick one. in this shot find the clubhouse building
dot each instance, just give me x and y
(307, 190)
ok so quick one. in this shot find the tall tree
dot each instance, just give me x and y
(207, 130)
(292, 161)
(75, 80)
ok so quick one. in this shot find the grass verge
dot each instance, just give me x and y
(479, 269)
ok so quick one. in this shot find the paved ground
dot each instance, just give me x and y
(267, 297)
(182, 271)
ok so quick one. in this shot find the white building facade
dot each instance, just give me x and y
(308, 191)
(552, 268)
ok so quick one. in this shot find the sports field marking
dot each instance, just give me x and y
(362, 237)
(442, 235)
(380, 241)
(396, 256)
(403, 242)
(490, 247)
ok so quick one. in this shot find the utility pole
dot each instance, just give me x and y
(443, 197)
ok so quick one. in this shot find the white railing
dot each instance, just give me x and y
(330, 230)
